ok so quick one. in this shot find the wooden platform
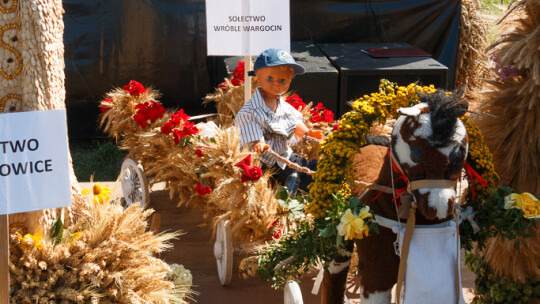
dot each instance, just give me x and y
(194, 250)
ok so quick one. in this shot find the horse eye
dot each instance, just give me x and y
(416, 154)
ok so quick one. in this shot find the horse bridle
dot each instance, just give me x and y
(421, 183)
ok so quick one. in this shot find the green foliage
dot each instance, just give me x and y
(103, 161)
(490, 289)
(312, 240)
(295, 205)
(57, 228)
(494, 220)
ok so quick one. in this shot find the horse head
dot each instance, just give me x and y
(430, 144)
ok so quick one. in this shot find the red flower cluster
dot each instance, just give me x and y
(199, 152)
(237, 76)
(148, 112)
(134, 88)
(105, 105)
(276, 234)
(179, 126)
(320, 114)
(296, 102)
(202, 190)
(336, 126)
(253, 173)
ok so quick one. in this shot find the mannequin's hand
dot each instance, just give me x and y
(259, 147)
(318, 134)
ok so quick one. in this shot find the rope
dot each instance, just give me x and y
(289, 163)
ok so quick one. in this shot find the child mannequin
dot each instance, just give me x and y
(267, 121)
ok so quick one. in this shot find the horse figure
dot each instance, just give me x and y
(429, 144)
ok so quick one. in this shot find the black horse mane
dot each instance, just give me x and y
(445, 111)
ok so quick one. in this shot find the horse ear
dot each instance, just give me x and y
(411, 111)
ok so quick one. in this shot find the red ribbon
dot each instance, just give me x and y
(472, 175)
(402, 176)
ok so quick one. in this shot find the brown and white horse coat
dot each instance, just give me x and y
(429, 144)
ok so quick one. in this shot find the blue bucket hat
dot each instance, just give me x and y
(276, 57)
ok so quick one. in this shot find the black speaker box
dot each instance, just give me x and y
(359, 73)
(318, 84)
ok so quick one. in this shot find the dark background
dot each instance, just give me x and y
(162, 43)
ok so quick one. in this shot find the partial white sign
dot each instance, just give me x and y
(247, 27)
(34, 171)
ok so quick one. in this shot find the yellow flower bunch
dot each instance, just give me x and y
(339, 148)
(354, 227)
(480, 158)
(100, 194)
(75, 236)
(525, 201)
(31, 240)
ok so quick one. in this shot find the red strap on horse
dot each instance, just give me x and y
(402, 176)
(472, 175)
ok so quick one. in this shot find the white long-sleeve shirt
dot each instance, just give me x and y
(256, 122)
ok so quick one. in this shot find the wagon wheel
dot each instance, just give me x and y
(292, 293)
(134, 183)
(223, 252)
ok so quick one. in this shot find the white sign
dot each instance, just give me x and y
(34, 171)
(247, 27)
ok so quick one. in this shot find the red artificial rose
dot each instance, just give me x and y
(134, 88)
(253, 173)
(296, 102)
(190, 129)
(336, 126)
(239, 71)
(223, 86)
(155, 111)
(202, 190)
(244, 162)
(148, 112)
(199, 152)
(177, 135)
(274, 223)
(327, 115)
(166, 128)
(315, 116)
(319, 107)
(105, 105)
(277, 235)
(179, 116)
(141, 120)
(235, 82)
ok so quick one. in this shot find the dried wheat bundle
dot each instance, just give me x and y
(472, 58)
(513, 132)
(249, 206)
(118, 119)
(229, 99)
(105, 257)
(522, 265)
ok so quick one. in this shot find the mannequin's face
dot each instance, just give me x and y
(275, 80)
